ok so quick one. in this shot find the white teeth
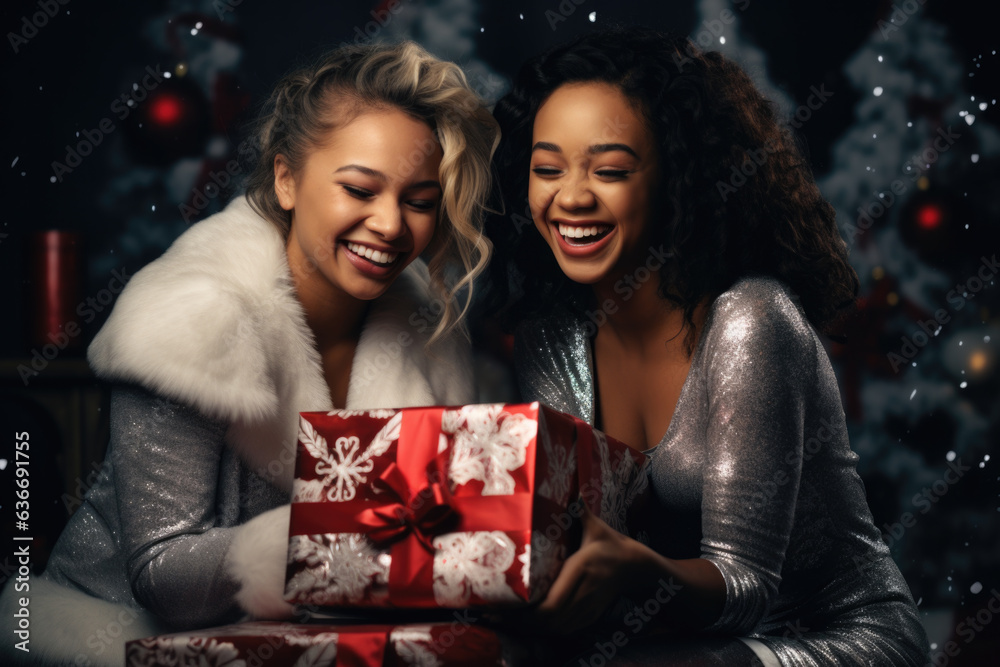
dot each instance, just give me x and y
(571, 232)
(375, 256)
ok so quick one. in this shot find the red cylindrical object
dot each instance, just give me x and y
(55, 270)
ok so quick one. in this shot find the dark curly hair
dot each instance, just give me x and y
(719, 223)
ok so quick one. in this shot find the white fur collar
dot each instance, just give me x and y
(214, 323)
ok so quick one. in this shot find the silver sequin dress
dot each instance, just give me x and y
(756, 475)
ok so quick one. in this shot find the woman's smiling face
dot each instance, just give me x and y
(594, 170)
(365, 204)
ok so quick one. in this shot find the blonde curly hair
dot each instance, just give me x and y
(308, 103)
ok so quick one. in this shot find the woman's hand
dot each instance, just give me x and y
(591, 579)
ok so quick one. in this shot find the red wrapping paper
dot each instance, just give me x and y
(447, 507)
(326, 645)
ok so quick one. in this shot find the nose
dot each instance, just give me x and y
(574, 193)
(386, 221)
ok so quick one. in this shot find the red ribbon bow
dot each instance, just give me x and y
(427, 513)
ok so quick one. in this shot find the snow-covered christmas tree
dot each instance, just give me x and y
(910, 182)
(176, 158)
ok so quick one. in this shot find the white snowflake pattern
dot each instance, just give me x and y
(525, 560)
(558, 477)
(319, 654)
(339, 568)
(183, 651)
(546, 558)
(374, 414)
(621, 484)
(473, 563)
(485, 448)
(414, 645)
(346, 467)
(307, 491)
(294, 638)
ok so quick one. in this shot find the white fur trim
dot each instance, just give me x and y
(69, 627)
(215, 323)
(257, 558)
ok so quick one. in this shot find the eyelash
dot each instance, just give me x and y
(610, 173)
(361, 193)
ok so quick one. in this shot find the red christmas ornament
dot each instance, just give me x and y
(175, 121)
(929, 216)
(165, 109)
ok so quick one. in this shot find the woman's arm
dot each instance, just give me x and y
(761, 364)
(166, 462)
(760, 355)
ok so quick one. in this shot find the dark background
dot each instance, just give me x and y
(129, 198)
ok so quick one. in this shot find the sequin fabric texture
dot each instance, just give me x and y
(755, 474)
(156, 525)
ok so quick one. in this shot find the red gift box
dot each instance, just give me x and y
(258, 643)
(447, 507)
